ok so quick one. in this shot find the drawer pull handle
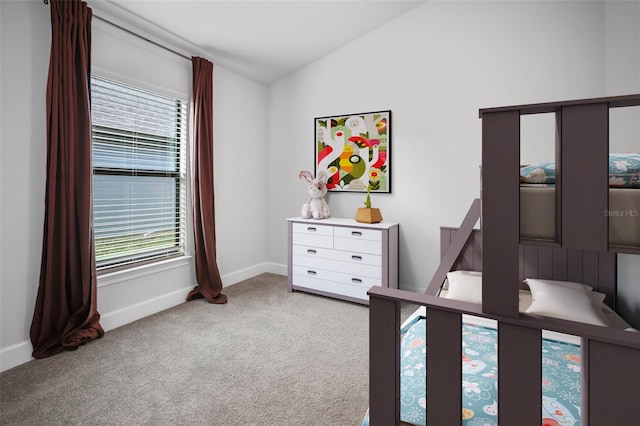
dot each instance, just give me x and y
(356, 280)
(311, 251)
(356, 233)
(312, 273)
(354, 257)
(311, 229)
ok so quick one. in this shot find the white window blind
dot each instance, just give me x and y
(139, 174)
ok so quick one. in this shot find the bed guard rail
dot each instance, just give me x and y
(609, 360)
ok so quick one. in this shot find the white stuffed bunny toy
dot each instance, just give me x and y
(317, 207)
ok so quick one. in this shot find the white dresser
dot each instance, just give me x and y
(342, 258)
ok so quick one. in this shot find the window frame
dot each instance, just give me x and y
(160, 256)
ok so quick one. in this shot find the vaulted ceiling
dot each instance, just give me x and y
(262, 40)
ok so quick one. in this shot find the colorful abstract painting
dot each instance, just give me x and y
(354, 151)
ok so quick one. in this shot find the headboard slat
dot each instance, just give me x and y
(597, 269)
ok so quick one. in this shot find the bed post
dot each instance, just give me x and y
(517, 346)
(384, 361)
(445, 372)
(612, 387)
(500, 212)
(584, 147)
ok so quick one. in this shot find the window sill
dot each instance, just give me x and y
(142, 270)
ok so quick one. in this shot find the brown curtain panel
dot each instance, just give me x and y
(65, 314)
(207, 273)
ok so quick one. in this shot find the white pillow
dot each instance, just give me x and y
(613, 319)
(597, 298)
(465, 286)
(562, 283)
(570, 302)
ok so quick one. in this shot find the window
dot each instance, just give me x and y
(139, 174)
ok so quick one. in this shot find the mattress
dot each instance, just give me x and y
(537, 218)
(560, 377)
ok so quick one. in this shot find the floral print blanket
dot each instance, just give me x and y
(560, 378)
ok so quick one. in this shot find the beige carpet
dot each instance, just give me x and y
(268, 357)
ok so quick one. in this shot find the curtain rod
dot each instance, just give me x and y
(168, 49)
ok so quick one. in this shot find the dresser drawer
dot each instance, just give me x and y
(344, 256)
(357, 245)
(358, 240)
(312, 229)
(339, 277)
(317, 263)
(312, 235)
(332, 287)
(358, 233)
(322, 241)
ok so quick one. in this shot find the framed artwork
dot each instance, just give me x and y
(354, 151)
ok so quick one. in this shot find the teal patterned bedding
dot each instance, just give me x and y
(560, 378)
(624, 171)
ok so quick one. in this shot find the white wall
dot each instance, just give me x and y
(240, 123)
(622, 71)
(25, 37)
(434, 68)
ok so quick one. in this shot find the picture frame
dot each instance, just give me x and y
(354, 150)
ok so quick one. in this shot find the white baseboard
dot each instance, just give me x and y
(15, 355)
(134, 312)
(276, 268)
(20, 353)
(245, 274)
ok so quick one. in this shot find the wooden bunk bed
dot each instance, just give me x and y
(580, 251)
